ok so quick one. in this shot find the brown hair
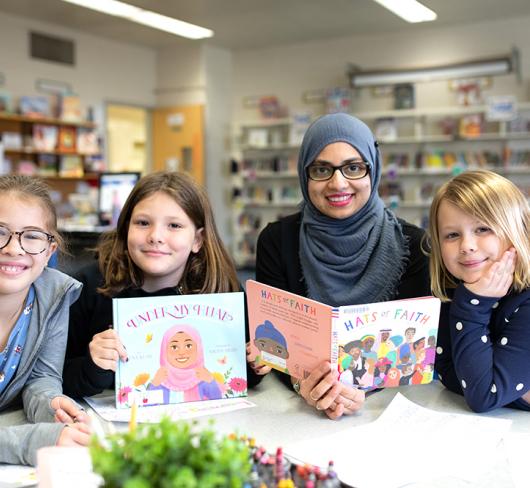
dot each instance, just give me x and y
(30, 188)
(211, 270)
(496, 202)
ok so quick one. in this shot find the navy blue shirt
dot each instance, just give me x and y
(483, 349)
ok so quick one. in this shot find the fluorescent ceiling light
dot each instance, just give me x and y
(145, 17)
(472, 69)
(409, 10)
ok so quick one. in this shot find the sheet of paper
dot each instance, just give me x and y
(105, 408)
(66, 467)
(407, 444)
(17, 476)
(516, 448)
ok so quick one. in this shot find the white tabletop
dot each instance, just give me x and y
(282, 417)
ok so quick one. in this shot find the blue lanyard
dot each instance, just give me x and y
(10, 357)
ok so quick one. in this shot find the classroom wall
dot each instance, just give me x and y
(288, 71)
(104, 70)
(197, 73)
(180, 75)
(218, 77)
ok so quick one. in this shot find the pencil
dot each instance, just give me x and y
(134, 412)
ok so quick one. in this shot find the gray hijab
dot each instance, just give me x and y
(355, 260)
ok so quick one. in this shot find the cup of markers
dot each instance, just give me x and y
(276, 471)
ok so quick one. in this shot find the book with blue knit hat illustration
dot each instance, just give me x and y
(181, 348)
(372, 345)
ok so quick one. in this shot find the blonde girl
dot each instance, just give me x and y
(480, 267)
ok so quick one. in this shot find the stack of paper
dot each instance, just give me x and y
(408, 444)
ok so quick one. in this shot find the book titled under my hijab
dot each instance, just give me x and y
(373, 345)
(181, 348)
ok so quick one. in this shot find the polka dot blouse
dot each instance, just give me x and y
(483, 349)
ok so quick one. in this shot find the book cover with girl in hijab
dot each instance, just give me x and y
(181, 348)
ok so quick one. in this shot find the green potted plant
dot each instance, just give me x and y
(171, 454)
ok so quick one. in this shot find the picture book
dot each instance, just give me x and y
(70, 108)
(47, 165)
(87, 141)
(404, 96)
(71, 166)
(67, 139)
(6, 102)
(34, 106)
(181, 348)
(45, 137)
(371, 345)
(386, 129)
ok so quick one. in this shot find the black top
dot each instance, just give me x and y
(90, 315)
(278, 261)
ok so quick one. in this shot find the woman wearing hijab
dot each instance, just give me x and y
(182, 376)
(344, 247)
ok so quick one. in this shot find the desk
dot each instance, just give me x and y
(281, 417)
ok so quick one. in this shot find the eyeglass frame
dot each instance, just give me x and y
(49, 239)
(344, 163)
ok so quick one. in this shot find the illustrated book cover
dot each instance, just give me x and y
(45, 137)
(71, 166)
(67, 139)
(180, 348)
(371, 345)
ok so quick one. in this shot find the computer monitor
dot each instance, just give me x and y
(114, 188)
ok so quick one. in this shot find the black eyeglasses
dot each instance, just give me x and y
(351, 170)
(31, 241)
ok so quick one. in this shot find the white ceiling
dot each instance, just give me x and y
(243, 24)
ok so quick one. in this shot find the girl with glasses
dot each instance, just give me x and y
(34, 305)
(165, 243)
(343, 247)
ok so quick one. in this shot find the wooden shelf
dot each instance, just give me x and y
(7, 117)
(56, 152)
(86, 176)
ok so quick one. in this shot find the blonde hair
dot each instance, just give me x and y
(32, 189)
(211, 270)
(494, 201)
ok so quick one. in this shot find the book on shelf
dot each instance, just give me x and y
(371, 345)
(45, 137)
(27, 167)
(12, 140)
(338, 100)
(6, 102)
(180, 348)
(392, 188)
(71, 166)
(87, 141)
(258, 137)
(404, 96)
(501, 108)
(386, 129)
(269, 107)
(70, 108)
(66, 139)
(470, 125)
(34, 106)
(47, 165)
(300, 124)
(6, 166)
